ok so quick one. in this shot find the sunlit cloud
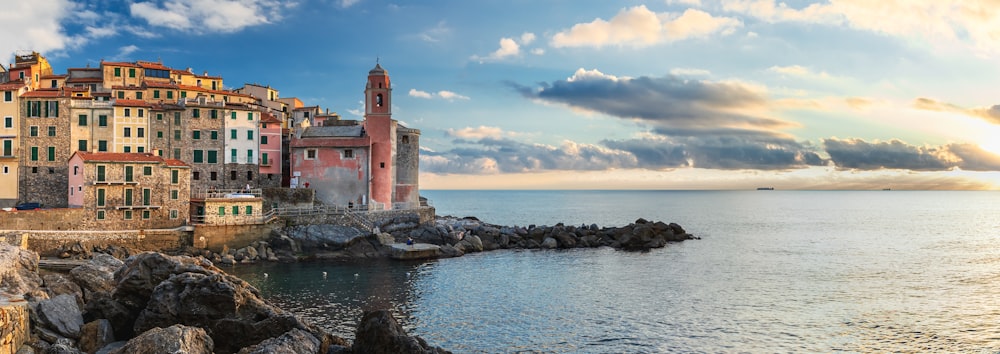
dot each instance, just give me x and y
(204, 16)
(990, 114)
(640, 27)
(446, 95)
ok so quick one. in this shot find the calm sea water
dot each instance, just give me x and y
(775, 271)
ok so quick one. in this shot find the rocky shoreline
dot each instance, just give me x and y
(156, 303)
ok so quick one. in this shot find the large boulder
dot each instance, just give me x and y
(292, 342)
(95, 335)
(18, 270)
(56, 284)
(379, 332)
(61, 314)
(143, 272)
(172, 339)
(324, 237)
(97, 275)
(230, 310)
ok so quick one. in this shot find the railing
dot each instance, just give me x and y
(226, 193)
(90, 104)
(355, 214)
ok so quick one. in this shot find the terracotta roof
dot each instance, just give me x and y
(83, 69)
(151, 65)
(131, 103)
(192, 88)
(130, 87)
(176, 163)
(266, 117)
(108, 94)
(118, 157)
(43, 94)
(13, 85)
(118, 63)
(54, 76)
(84, 79)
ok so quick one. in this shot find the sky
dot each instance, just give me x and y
(599, 94)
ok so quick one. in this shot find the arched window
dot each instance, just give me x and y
(378, 100)
(406, 139)
(76, 169)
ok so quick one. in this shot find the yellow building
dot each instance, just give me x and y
(10, 104)
(30, 68)
(131, 123)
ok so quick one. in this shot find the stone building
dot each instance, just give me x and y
(374, 162)
(46, 145)
(129, 191)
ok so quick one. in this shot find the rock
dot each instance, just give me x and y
(231, 310)
(565, 239)
(252, 253)
(385, 239)
(95, 335)
(228, 260)
(121, 318)
(450, 251)
(47, 335)
(476, 242)
(550, 243)
(18, 270)
(64, 346)
(292, 342)
(56, 284)
(111, 347)
(172, 339)
(62, 315)
(379, 332)
(98, 275)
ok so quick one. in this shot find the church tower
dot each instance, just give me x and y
(380, 126)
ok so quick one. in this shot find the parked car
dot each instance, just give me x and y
(28, 206)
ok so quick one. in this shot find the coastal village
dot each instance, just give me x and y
(143, 145)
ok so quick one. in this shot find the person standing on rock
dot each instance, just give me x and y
(409, 241)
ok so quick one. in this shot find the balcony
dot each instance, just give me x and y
(226, 193)
(113, 183)
(90, 104)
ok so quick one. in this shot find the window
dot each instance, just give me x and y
(213, 176)
(100, 215)
(195, 134)
(213, 156)
(52, 131)
(102, 145)
(128, 174)
(140, 149)
(156, 93)
(118, 72)
(8, 96)
(215, 114)
(128, 112)
(249, 134)
(159, 116)
(138, 96)
(177, 135)
(310, 154)
(232, 157)
(173, 213)
(145, 214)
(128, 215)
(159, 134)
(177, 118)
(263, 159)
(121, 95)
(102, 120)
(174, 176)
(232, 175)
(52, 154)
(195, 175)
(52, 109)
(140, 132)
(249, 156)
(249, 175)
(140, 112)
(175, 194)
(348, 154)
(128, 132)
(249, 210)
(184, 94)
(34, 153)
(100, 197)
(215, 135)
(8, 148)
(131, 72)
(147, 170)
(381, 165)
(34, 109)
(33, 131)
(76, 171)
(222, 211)
(196, 113)
(146, 196)
(236, 210)
(127, 149)
(232, 134)
(8, 122)
(199, 156)
(263, 139)
(378, 100)
(170, 95)
(34, 169)
(81, 120)
(128, 197)
(249, 115)
(81, 145)
(232, 115)
(177, 154)
(406, 139)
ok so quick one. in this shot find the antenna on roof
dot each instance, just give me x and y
(376, 60)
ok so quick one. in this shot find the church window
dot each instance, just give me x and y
(378, 100)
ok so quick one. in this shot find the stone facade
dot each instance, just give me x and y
(407, 168)
(206, 142)
(14, 324)
(45, 146)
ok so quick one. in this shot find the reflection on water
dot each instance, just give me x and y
(773, 272)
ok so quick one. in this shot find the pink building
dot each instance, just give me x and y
(270, 150)
(373, 162)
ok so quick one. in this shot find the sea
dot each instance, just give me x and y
(774, 271)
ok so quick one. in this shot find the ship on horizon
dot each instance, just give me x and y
(765, 188)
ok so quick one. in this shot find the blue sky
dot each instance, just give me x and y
(666, 94)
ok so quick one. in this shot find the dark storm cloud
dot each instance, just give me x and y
(728, 152)
(989, 114)
(862, 155)
(666, 101)
(975, 158)
(490, 155)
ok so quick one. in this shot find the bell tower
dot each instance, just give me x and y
(381, 128)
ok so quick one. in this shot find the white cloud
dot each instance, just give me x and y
(476, 133)
(685, 2)
(35, 25)
(436, 33)
(508, 48)
(689, 72)
(796, 70)
(201, 16)
(640, 27)
(348, 3)
(538, 51)
(447, 95)
(123, 53)
(938, 21)
(527, 38)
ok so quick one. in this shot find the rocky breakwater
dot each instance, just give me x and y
(154, 303)
(458, 236)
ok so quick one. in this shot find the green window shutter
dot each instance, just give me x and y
(177, 135)
(174, 176)
(128, 173)
(170, 95)
(232, 134)
(82, 120)
(250, 156)
(263, 158)
(249, 134)
(145, 196)
(8, 148)
(199, 156)
(82, 145)
(233, 115)
(100, 173)
(236, 210)
(118, 71)
(233, 154)
(156, 93)
(100, 197)
(213, 156)
(34, 153)
(249, 115)
(128, 196)
(222, 211)
(52, 153)
(249, 210)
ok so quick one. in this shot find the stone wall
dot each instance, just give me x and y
(14, 324)
(217, 237)
(48, 243)
(289, 197)
(45, 219)
(426, 214)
